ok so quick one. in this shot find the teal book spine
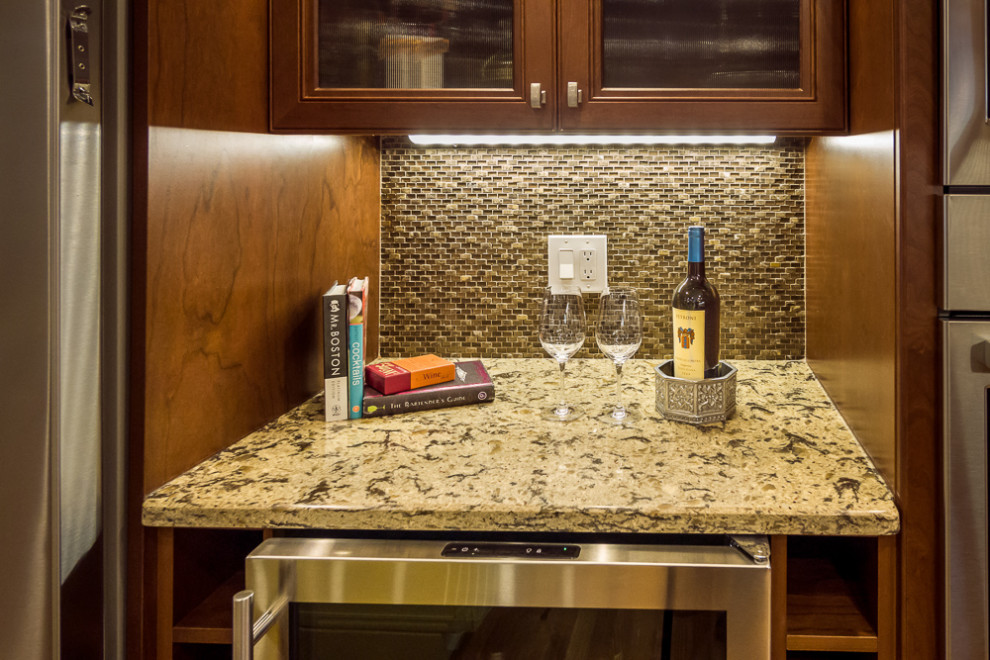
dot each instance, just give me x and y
(355, 356)
(357, 304)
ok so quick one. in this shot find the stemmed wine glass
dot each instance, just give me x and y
(562, 330)
(619, 333)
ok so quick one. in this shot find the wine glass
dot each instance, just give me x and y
(619, 333)
(562, 330)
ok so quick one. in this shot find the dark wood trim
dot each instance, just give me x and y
(164, 587)
(918, 409)
(778, 597)
(140, 587)
(886, 597)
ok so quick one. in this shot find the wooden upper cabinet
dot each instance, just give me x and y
(399, 66)
(707, 65)
(393, 66)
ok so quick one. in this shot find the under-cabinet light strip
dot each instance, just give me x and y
(513, 140)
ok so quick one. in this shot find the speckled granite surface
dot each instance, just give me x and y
(785, 463)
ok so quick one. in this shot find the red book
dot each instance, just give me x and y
(409, 373)
(471, 385)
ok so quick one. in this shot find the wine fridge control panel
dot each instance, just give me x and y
(512, 550)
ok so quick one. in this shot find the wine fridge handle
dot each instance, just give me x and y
(246, 631)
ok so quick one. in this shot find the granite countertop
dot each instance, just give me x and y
(784, 463)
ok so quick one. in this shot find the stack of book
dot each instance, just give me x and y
(353, 390)
(400, 392)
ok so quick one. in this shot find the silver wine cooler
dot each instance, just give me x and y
(363, 599)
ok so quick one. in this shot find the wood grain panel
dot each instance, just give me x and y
(208, 64)
(851, 244)
(244, 234)
(847, 181)
(235, 235)
(918, 464)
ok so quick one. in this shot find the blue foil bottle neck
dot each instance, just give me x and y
(696, 245)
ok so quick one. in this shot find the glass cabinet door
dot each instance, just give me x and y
(415, 44)
(412, 64)
(677, 63)
(701, 44)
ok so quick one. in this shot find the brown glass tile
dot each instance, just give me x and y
(464, 241)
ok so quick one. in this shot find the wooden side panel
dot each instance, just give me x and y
(245, 232)
(918, 460)
(236, 233)
(877, 180)
(851, 243)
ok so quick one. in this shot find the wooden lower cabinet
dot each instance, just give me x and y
(199, 571)
(833, 598)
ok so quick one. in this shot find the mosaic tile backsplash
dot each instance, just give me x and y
(464, 250)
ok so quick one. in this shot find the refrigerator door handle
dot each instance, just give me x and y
(79, 76)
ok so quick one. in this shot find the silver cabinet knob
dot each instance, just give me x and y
(537, 96)
(574, 95)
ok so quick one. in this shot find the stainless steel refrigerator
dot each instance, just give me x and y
(966, 326)
(63, 201)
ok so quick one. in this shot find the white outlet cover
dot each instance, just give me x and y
(576, 243)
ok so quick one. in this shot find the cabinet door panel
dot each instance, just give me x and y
(702, 44)
(414, 44)
(392, 66)
(705, 65)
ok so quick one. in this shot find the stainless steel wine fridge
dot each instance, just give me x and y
(689, 598)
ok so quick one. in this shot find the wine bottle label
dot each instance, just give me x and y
(689, 344)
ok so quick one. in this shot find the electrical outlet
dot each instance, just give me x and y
(580, 260)
(589, 264)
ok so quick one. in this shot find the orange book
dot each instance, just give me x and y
(409, 373)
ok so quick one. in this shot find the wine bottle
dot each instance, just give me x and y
(696, 316)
